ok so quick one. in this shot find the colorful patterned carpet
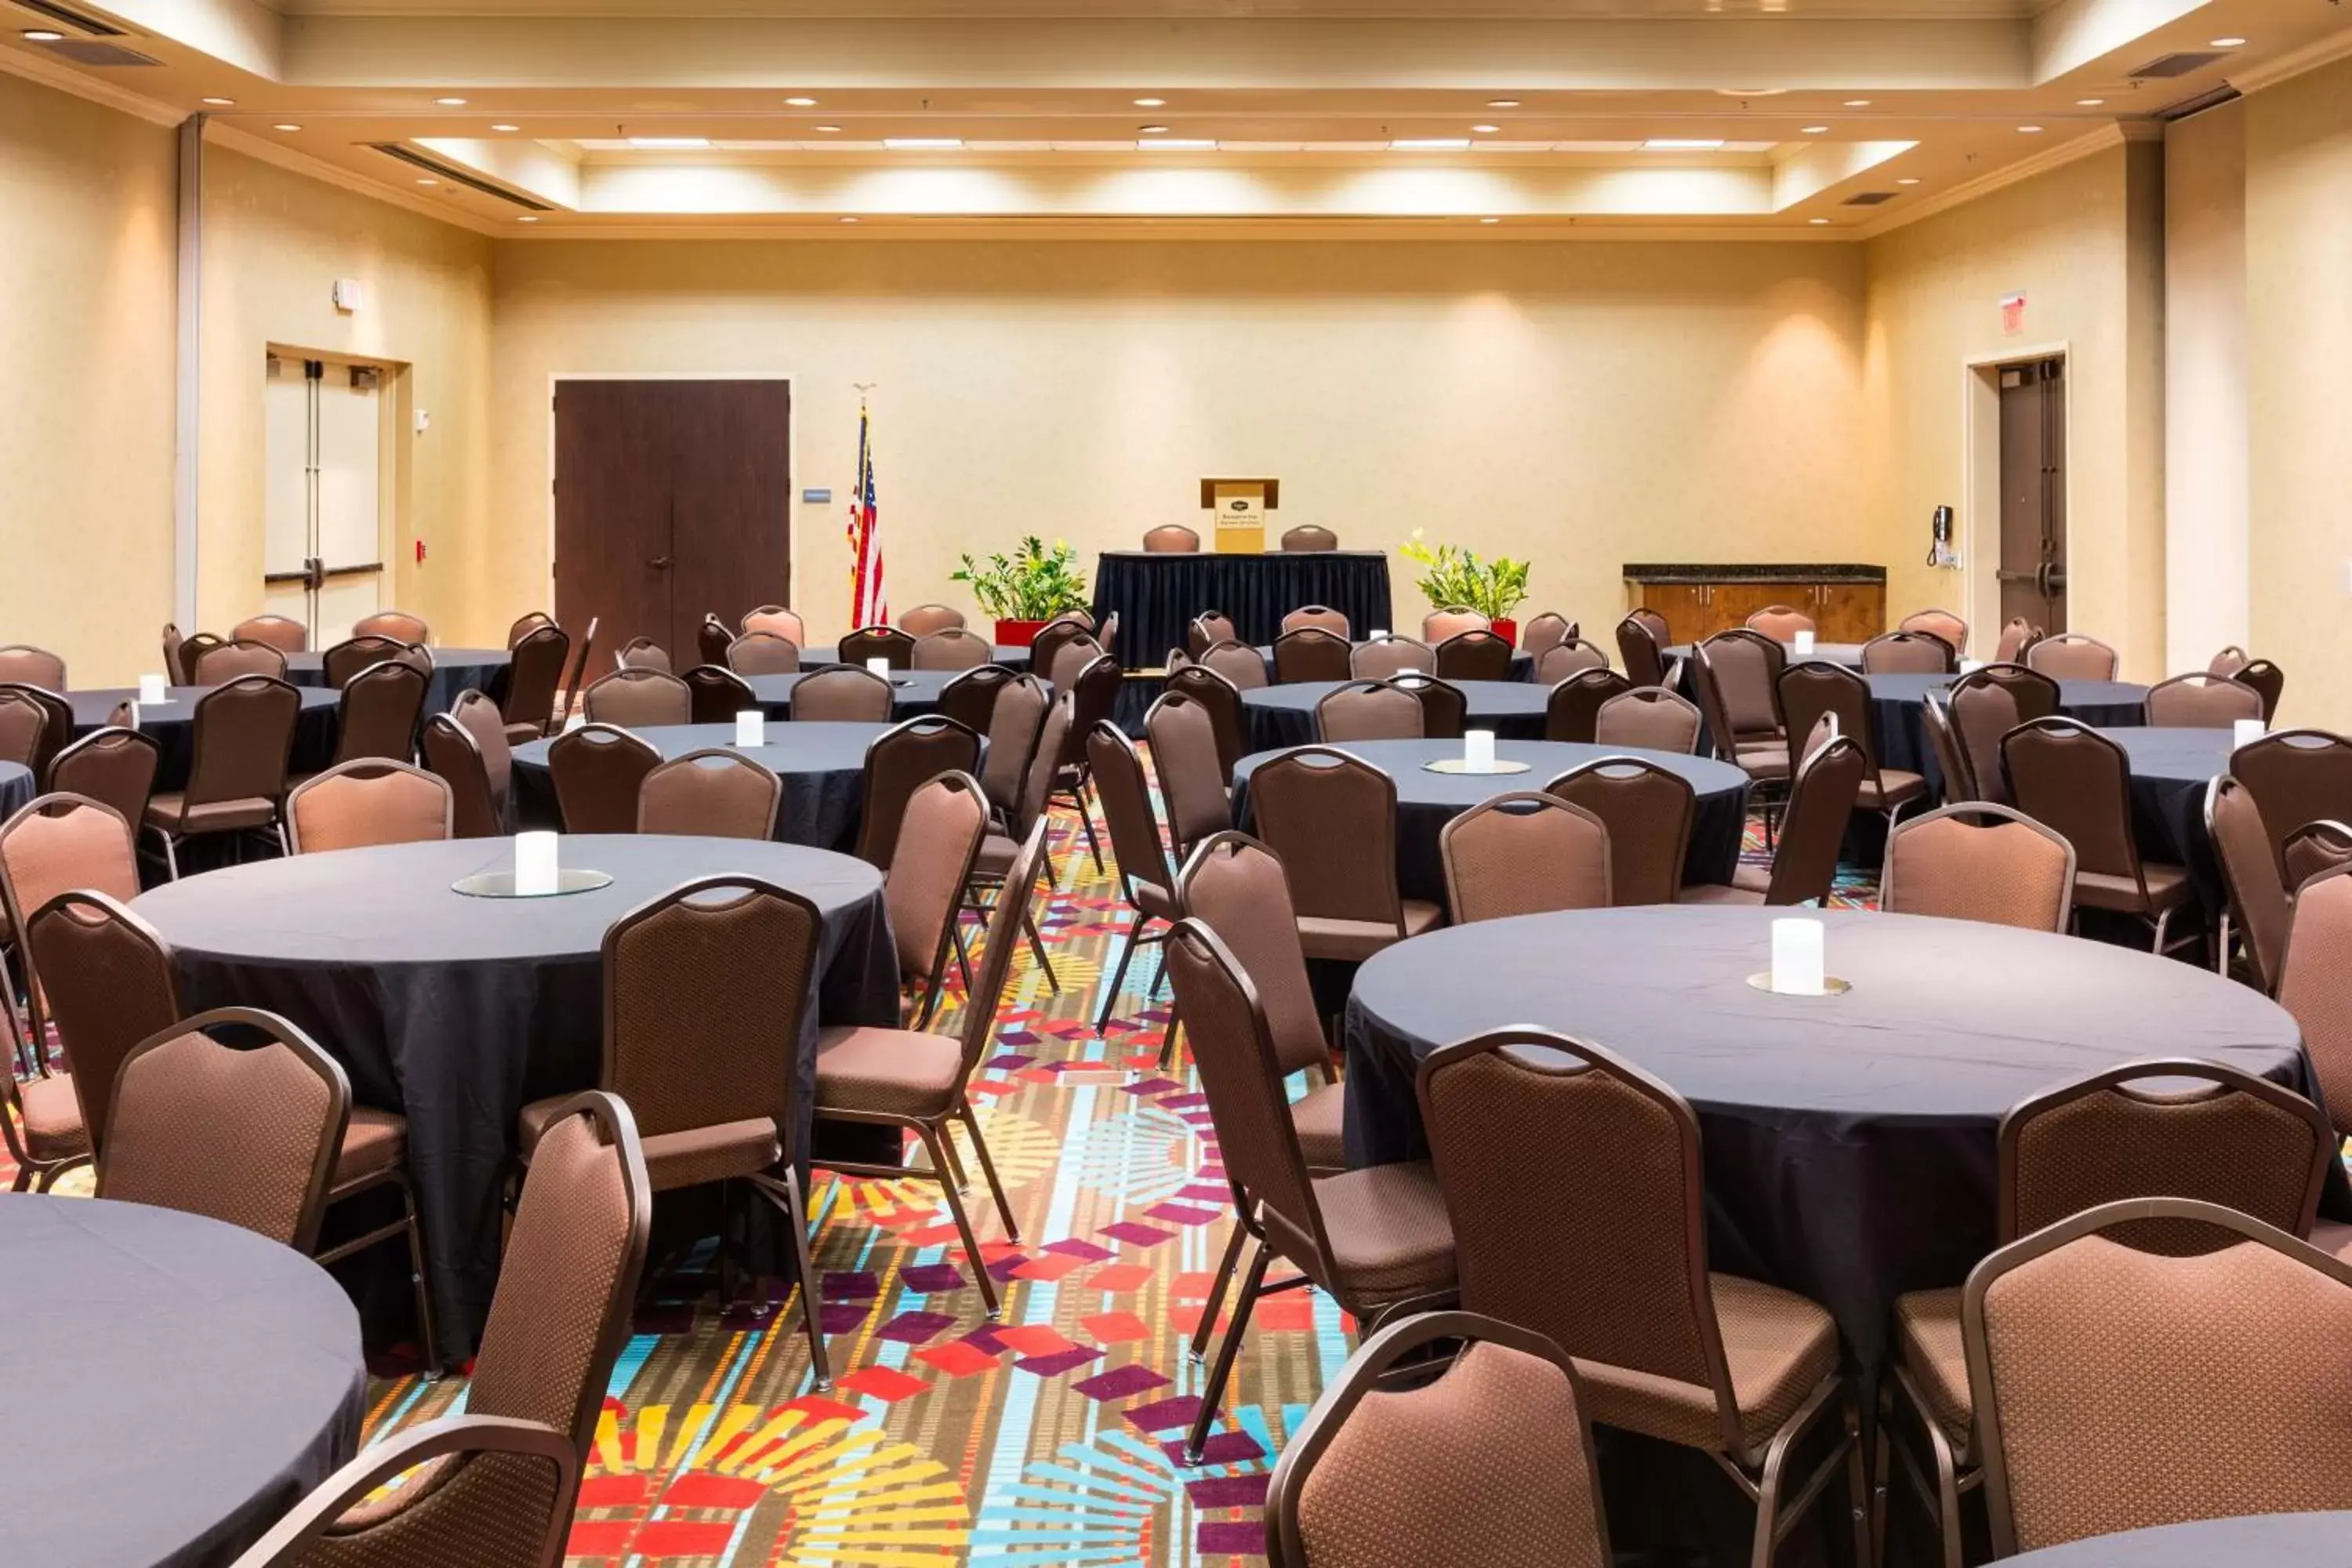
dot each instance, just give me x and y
(1047, 1438)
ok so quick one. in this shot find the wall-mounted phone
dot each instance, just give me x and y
(1939, 540)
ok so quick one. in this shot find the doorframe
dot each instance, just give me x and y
(555, 380)
(1980, 475)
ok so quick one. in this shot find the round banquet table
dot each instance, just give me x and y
(913, 692)
(1284, 715)
(1523, 663)
(174, 1383)
(457, 1011)
(1011, 656)
(822, 767)
(1427, 802)
(1897, 702)
(455, 670)
(2170, 771)
(16, 787)
(173, 726)
(1848, 654)
(1849, 1140)
(2254, 1541)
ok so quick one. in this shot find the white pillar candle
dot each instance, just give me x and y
(880, 667)
(1804, 644)
(535, 863)
(1970, 666)
(1796, 958)
(1478, 750)
(751, 728)
(154, 689)
(2246, 731)
(1380, 634)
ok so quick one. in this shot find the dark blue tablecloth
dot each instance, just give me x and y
(1156, 596)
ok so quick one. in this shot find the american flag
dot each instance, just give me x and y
(868, 605)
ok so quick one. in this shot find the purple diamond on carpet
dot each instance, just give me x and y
(1231, 1538)
(1165, 1414)
(1075, 1247)
(1200, 1192)
(1183, 1101)
(1059, 1362)
(927, 1278)
(861, 1286)
(1221, 1449)
(1182, 1214)
(1002, 1269)
(1120, 1382)
(1140, 1235)
(840, 1317)
(1197, 1118)
(1016, 1038)
(1229, 1491)
(984, 1339)
(1152, 1085)
(916, 1328)
(1011, 1061)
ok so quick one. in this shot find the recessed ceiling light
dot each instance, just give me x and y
(1151, 130)
(921, 144)
(427, 180)
(43, 35)
(2029, 130)
(528, 217)
(222, 102)
(1149, 103)
(506, 127)
(286, 128)
(1485, 130)
(2227, 43)
(802, 103)
(658, 142)
(1683, 143)
(1816, 130)
(2089, 102)
(850, 220)
(1858, 103)
(1490, 220)
(450, 102)
(1502, 103)
(1908, 180)
(1817, 222)
(1749, 91)
(1178, 144)
(828, 127)
(1430, 144)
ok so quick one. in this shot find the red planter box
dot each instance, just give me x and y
(1507, 629)
(1019, 634)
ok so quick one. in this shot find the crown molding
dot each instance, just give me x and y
(326, 173)
(2112, 134)
(2293, 63)
(33, 68)
(1155, 231)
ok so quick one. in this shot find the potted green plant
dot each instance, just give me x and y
(1453, 575)
(1027, 589)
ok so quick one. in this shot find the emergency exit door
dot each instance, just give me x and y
(322, 545)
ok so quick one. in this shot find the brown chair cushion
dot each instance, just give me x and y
(1927, 1344)
(171, 810)
(1764, 759)
(1892, 786)
(996, 852)
(1324, 937)
(373, 1142)
(1747, 887)
(1777, 1347)
(894, 1072)
(1318, 1116)
(700, 1154)
(52, 1118)
(1390, 1237)
(2168, 886)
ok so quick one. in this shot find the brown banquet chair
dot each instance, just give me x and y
(2016, 636)
(36, 725)
(526, 624)
(763, 653)
(1368, 710)
(107, 984)
(1940, 623)
(1093, 693)
(970, 698)
(1243, 668)
(1908, 653)
(1641, 650)
(952, 647)
(2153, 1127)
(1171, 539)
(643, 653)
(1451, 620)
(2201, 701)
(1390, 656)
(2314, 848)
(1986, 704)
(597, 771)
(712, 639)
(378, 713)
(1958, 777)
(937, 834)
(1444, 707)
(1816, 688)
(174, 671)
(1373, 1238)
(2312, 985)
(2269, 682)
(1207, 629)
(1649, 719)
(244, 737)
(844, 693)
(715, 695)
(924, 620)
(711, 793)
(1488, 1458)
(2071, 656)
(1523, 852)
(2076, 780)
(2296, 776)
(393, 624)
(1547, 631)
(453, 756)
(1648, 812)
(1572, 711)
(1146, 877)
(534, 671)
(1046, 647)
(281, 632)
(1666, 1345)
(2256, 910)
(1309, 653)
(1567, 656)
(639, 698)
(1015, 720)
(1309, 536)
(1321, 616)
(1474, 653)
(191, 650)
(114, 766)
(1331, 818)
(1188, 761)
(225, 663)
(343, 662)
(777, 621)
(366, 802)
(1804, 864)
(1032, 791)
(1738, 675)
(2119, 1389)
(1072, 658)
(900, 761)
(478, 716)
(877, 642)
(1227, 717)
(23, 665)
(1781, 623)
(2229, 661)
(1976, 861)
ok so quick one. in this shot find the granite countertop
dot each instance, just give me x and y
(1847, 573)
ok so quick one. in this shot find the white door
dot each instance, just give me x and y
(285, 514)
(321, 544)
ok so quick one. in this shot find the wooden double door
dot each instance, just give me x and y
(673, 500)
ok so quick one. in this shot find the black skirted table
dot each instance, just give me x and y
(1156, 596)
(455, 670)
(1284, 715)
(1897, 702)
(1849, 1140)
(913, 692)
(1427, 802)
(173, 726)
(816, 656)
(457, 1011)
(822, 767)
(2254, 1541)
(174, 1383)
(1523, 663)
(16, 787)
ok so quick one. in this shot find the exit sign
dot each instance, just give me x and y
(2012, 314)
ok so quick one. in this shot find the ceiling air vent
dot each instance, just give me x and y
(2179, 63)
(66, 16)
(455, 176)
(92, 52)
(1868, 198)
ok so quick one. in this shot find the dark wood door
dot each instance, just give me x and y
(2032, 571)
(673, 499)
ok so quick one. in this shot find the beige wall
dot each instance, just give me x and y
(2084, 244)
(86, 331)
(1586, 405)
(274, 243)
(2205, 385)
(2299, 358)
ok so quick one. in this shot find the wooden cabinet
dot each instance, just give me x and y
(1844, 609)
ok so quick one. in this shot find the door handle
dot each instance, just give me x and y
(660, 562)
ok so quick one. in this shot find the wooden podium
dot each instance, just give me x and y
(1240, 505)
